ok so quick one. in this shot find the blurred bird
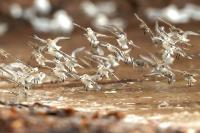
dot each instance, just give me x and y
(144, 26)
(53, 48)
(159, 68)
(189, 77)
(121, 37)
(89, 81)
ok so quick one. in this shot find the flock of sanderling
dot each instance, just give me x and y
(106, 56)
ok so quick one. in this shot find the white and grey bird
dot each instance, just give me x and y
(115, 50)
(105, 71)
(188, 77)
(52, 47)
(109, 61)
(91, 35)
(178, 34)
(120, 36)
(37, 54)
(143, 26)
(60, 71)
(159, 68)
(89, 81)
(40, 59)
(93, 38)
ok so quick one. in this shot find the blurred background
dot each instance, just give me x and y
(21, 19)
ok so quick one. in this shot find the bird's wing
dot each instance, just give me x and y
(147, 59)
(104, 44)
(141, 21)
(114, 30)
(99, 57)
(37, 47)
(4, 53)
(39, 39)
(12, 75)
(64, 54)
(97, 60)
(143, 25)
(32, 45)
(102, 35)
(80, 27)
(7, 71)
(127, 51)
(190, 33)
(90, 59)
(157, 27)
(172, 28)
(85, 62)
(154, 73)
(115, 48)
(74, 52)
(167, 23)
(156, 59)
(60, 38)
